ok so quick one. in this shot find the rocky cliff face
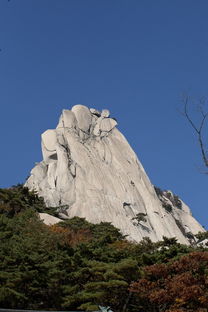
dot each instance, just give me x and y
(90, 171)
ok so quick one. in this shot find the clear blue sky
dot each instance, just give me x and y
(133, 57)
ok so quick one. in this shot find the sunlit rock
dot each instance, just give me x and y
(89, 167)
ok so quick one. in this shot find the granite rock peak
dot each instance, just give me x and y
(89, 170)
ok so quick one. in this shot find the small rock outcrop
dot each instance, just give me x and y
(90, 169)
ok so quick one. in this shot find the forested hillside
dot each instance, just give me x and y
(76, 265)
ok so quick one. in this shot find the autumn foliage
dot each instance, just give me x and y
(75, 265)
(178, 286)
(71, 237)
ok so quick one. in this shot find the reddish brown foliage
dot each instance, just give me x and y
(71, 237)
(178, 286)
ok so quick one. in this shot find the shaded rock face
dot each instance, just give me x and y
(89, 168)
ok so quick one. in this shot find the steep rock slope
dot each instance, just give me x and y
(90, 171)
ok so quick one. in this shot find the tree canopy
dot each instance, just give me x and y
(76, 265)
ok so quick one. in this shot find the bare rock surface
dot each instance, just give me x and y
(48, 219)
(89, 167)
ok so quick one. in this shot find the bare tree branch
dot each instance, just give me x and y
(186, 101)
(198, 129)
